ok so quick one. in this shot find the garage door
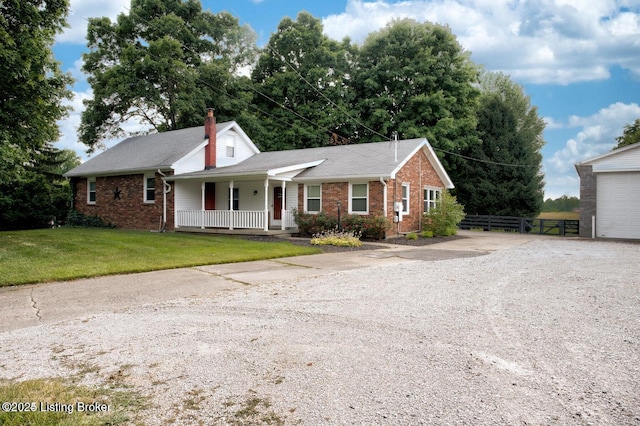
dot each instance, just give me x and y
(618, 208)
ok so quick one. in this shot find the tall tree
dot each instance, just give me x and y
(502, 175)
(162, 63)
(630, 135)
(415, 78)
(302, 86)
(39, 196)
(32, 87)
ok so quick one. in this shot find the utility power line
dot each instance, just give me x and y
(317, 90)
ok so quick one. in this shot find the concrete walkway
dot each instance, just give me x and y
(30, 305)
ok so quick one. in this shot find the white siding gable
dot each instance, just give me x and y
(232, 148)
(624, 161)
(190, 163)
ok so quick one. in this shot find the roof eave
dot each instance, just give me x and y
(342, 178)
(136, 170)
(204, 175)
(431, 154)
(590, 161)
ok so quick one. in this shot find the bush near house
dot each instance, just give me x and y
(443, 219)
(368, 227)
(313, 224)
(80, 220)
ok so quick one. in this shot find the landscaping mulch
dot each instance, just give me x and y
(367, 245)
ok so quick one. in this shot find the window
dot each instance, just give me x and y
(149, 188)
(314, 203)
(91, 191)
(236, 199)
(431, 198)
(231, 147)
(405, 198)
(358, 200)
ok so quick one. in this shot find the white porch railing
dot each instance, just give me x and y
(242, 219)
(289, 221)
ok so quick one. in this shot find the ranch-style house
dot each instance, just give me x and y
(215, 179)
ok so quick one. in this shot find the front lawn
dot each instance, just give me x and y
(45, 255)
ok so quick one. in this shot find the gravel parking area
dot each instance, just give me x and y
(547, 332)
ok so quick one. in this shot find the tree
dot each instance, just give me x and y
(39, 196)
(415, 78)
(562, 204)
(502, 175)
(302, 86)
(444, 218)
(162, 64)
(32, 86)
(630, 135)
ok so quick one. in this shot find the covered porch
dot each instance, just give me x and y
(238, 206)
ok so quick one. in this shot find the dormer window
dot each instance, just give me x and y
(231, 151)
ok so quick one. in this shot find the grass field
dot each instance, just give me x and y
(559, 215)
(70, 253)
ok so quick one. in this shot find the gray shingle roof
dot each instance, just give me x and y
(148, 152)
(350, 161)
(161, 150)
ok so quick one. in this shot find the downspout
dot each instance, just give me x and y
(395, 195)
(165, 191)
(384, 199)
(420, 192)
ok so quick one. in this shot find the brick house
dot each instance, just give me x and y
(215, 179)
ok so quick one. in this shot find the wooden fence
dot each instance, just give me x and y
(521, 224)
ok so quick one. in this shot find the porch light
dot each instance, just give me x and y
(255, 192)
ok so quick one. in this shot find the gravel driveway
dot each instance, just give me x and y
(547, 332)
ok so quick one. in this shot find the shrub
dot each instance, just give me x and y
(368, 227)
(444, 218)
(427, 234)
(411, 236)
(80, 220)
(312, 224)
(337, 238)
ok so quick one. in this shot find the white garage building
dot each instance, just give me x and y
(610, 194)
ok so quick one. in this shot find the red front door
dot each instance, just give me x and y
(209, 196)
(277, 203)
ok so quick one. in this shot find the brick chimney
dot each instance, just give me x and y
(210, 133)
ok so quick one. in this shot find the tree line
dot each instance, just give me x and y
(163, 62)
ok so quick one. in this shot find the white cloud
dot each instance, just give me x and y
(543, 41)
(595, 135)
(551, 124)
(69, 126)
(79, 13)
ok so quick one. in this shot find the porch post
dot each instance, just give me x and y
(284, 206)
(231, 205)
(202, 213)
(266, 205)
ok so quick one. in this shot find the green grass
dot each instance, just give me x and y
(46, 255)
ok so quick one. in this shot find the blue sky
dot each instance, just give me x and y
(578, 60)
